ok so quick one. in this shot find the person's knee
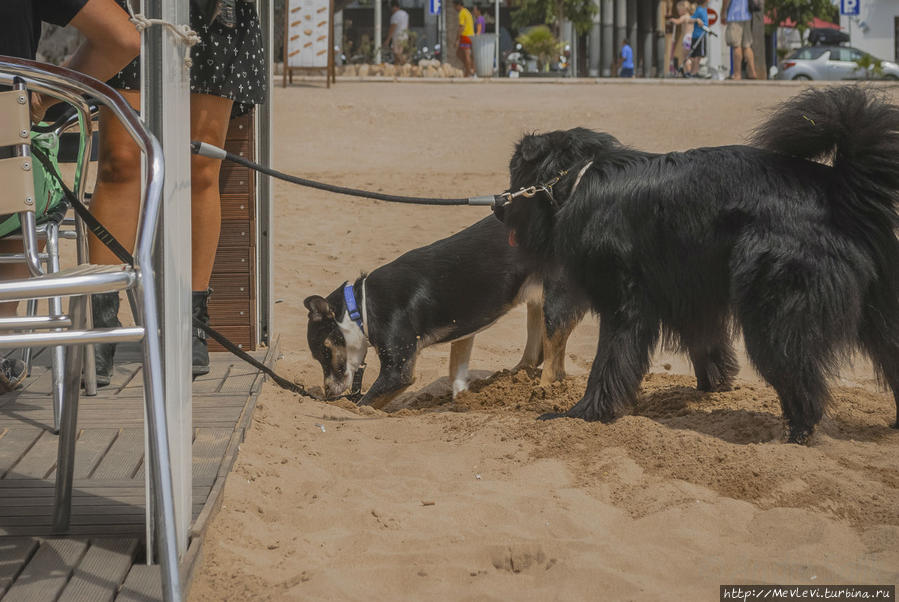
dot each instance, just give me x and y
(204, 173)
(119, 164)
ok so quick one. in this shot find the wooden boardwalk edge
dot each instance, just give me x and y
(192, 558)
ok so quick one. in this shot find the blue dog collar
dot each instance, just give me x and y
(351, 307)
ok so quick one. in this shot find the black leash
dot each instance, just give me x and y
(116, 247)
(213, 152)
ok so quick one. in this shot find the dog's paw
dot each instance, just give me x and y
(459, 386)
(590, 410)
(800, 435)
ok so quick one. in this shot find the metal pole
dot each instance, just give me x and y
(264, 306)
(496, 53)
(377, 40)
(607, 53)
(443, 48)
(165, 106)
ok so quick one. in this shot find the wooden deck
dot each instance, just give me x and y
(102, 556)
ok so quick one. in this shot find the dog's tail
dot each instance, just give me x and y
(857, 130)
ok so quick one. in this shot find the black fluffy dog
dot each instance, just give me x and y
(801, 255)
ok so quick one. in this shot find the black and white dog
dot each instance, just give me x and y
(446, 291)
(801, 255)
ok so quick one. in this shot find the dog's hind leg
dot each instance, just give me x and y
(879, 334)
(792, 331)
(533, 348)
(626, 339)
(460, 353)
(714, 362)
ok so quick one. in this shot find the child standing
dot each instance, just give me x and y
(627, 59)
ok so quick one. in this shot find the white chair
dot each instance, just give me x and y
(76, 283)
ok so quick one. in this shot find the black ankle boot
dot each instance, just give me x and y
(105, 312)
(200, 351)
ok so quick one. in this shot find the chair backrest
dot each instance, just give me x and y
(16, 172)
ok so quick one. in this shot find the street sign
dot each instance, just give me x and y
(434, 6)
(849, 7)
(713, 16)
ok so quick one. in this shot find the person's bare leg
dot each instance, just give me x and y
(750, 63)
(116, 199)
(738, 63)
(209, 117)
(469, 64)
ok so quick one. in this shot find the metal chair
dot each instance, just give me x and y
(56, 226)
(78, 282)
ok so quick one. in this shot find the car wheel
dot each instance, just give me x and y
(802, 78)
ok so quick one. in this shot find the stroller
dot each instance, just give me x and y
(696, 50)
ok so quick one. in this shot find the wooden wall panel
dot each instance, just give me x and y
(232, 308)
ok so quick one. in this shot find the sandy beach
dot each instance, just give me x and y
(473, 498)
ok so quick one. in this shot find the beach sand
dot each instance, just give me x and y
(473, 498)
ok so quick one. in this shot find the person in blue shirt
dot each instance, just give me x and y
(698, 48)
(627, 59)
(738, 34)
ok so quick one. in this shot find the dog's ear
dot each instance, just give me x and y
(318, 307)
(532, 147)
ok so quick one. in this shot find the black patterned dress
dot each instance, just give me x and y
(227, 62)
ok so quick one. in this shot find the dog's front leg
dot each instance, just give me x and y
(533, 348)
(554, 353)
(563, 308)
(396, 374)
(460, 353)
(626, 340)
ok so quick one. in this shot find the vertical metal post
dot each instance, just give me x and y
(497, 72)
(607, 53)
(264, 290)
(377, 40)
(595, 42)
(620, 25)
(165, 106)
(443, 47)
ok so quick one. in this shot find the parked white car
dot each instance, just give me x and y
(831, 62)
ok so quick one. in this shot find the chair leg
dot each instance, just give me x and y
(160, 465)
(90, 366)
(31, 310)
(59, 352)
(65, 463)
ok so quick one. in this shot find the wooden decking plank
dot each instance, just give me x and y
(39, 461)
(102, 570)
(14, 554)
(48, 571)
(90, 448)
(208, 449)
(212, 382)
(123, 458)
(16, 440)
(143, 584)
(133, 530)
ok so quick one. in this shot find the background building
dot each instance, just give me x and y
(875, 29)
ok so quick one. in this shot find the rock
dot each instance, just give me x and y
(406, 70)
(362, 70)
(416, 71)
(430, 72)
(389, 70)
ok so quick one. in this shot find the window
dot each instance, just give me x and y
(808, 53)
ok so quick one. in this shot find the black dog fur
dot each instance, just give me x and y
(801, 255)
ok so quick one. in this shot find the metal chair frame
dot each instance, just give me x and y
(78, 283)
